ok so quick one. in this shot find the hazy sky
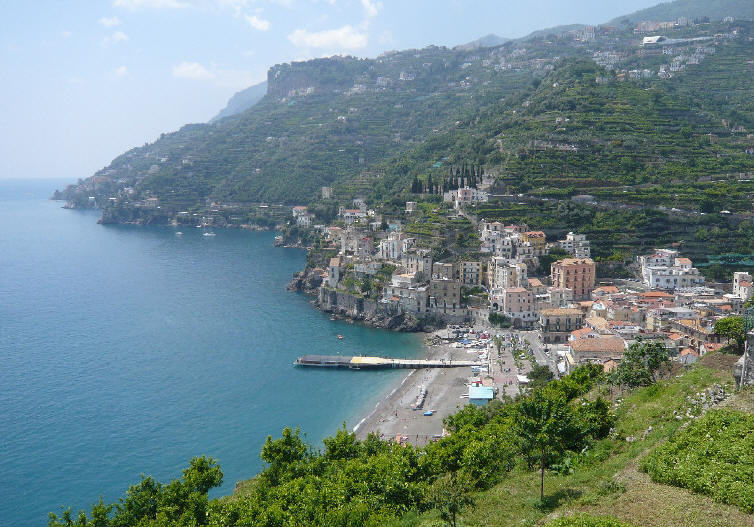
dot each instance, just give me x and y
(83, 81)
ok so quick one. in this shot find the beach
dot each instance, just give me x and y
(394, 417)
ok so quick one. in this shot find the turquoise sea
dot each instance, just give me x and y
(127, 350)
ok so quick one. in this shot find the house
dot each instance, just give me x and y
(417, 261)
(556, 324)
(471, 273)
(688, 356)
(445, 294)
(666, 270)
(576, 274)
(538, 241)
(406, 295)
(465, 196)
(596, 350)
(410, 207)
(518, 305)
(391, 248)
(445, 270)
(327, 193)
(742, 286)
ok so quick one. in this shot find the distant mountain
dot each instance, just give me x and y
(242, 101)
(557, 30)
(487, 41)
(714, 9)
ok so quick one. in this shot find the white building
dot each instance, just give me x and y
(576, 245)
(666, 270)
(465, 196)
(392, 247)
(742, 286)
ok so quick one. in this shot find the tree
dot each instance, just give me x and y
(449, 495)
(539, 376)
(732, 328)
(280, 453)
(498, 340)
(543, 421)
(640, 364)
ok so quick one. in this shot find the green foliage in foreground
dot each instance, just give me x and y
(585, 520)
(371, 482)
(712, 456)
(733, 329)
(181, 502)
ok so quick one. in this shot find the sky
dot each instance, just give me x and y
(86, 80)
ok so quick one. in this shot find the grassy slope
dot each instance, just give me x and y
(610, 483)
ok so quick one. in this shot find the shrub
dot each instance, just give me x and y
(712, 456)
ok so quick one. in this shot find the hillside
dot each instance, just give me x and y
(713, 9)
(553, 117)
(242, 101)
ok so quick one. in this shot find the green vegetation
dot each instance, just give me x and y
(640, 364)
(712, 456)
(733, 329)
(498, 320)
(584, 520)
(370, 482)
(150, 503)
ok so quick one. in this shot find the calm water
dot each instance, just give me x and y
(128, 350)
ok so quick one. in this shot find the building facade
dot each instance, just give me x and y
(576, 274)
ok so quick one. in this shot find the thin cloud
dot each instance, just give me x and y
(116, 37)
(346, 37)
(257, 23)
(121, 71)
(110, 22)
(65, 34)
(371, 8)
(192, 71)
(149, 4)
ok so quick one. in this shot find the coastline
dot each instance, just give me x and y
(393, 417)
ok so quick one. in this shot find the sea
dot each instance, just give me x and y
(127, 350)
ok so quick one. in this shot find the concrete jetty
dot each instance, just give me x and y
(358, 363)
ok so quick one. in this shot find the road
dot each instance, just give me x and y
(542, 358)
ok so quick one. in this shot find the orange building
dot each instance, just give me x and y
(576, 274)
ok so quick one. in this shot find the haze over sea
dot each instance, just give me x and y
(127, 350)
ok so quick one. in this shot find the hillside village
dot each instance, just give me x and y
(512, 277)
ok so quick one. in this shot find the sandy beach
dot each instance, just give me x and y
(447, 392)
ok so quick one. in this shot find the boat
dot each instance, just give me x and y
(208, 234)
(429, 413)
(340, 337)
(179, 233)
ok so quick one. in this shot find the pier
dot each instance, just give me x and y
(358, 363)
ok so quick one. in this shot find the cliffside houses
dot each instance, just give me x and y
(583, 322)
